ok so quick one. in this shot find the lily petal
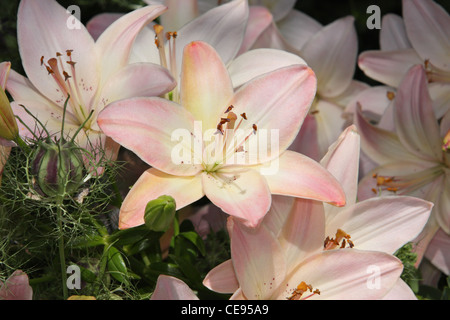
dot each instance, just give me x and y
(401, 291)
(381, 145)
(393, 33)
(259, 61)
(346, 274)
(276, 101)
(427, 24)
(415, 121)
(222, 278)
(438, 251)
(335, 65)
(115, 43)
(136, 124)
(302, 177)
(251, 249)
(342, 161)
(388, 67)
(382, 224)
(16, 287)
(171, 288)
(259, 18)
(206, 87)
(242, 193)
(100, 23)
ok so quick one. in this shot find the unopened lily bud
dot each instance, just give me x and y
(58, 168)
(8, 124)
(446, 143)
(159, 213)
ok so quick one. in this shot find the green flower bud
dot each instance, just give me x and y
(159, 213)
(58, 167)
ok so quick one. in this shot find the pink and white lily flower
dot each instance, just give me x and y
(62, 60)
(413, 160)
(209, 144)
(311, 228)
(421, 37)
(16, 287)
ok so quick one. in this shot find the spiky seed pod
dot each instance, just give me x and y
(58, 167)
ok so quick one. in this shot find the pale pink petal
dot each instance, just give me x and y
(259, 18)
(206, 88)
(242, 193)
(100, 23)
(137, 80)
(171, 288)
(303, 233)
(21, 88)
(257, 259)
(331, 53)
(271, 37)
(331, 121)
(149, 127)
(438, 251)
(354, 89)
(342, 161)
(302, 177)
(222, 278)
(297, 28)
(16, 287)
(415, 121)
(307, 139)
(278, 213)
(440, 95)
(178, 14)
(114, 44)
(393, 33)
(388, 67)
(382, 224)
(152, 184)
(442, 211)
(222, 27)
(43, 29)
(373, 101)
(401, 291)
(259, 61)
(279, 8)
(427, 24)
(277, 103)
(346, 274)
(380, 145)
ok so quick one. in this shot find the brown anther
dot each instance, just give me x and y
(314, 112)
(224, 120)
(343, 244)
(42, 60)
(66, 75)
(49, 70)
(374, 175)
(72, 63)
(58, 54)
(243, 115)
(390, 95)
(255, 128)
(374, 190)
(392, 189)
(174, 34)
(168, 35)
(69, 53)
(220, 128)
(229, 108)
(317, 291)
(350, 243)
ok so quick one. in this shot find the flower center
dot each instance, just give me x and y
(230, 142)
(407, 183)
(341, 240)
(298, 292)
(64, 73)
(434, 74)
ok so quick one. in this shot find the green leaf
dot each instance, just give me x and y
(195, 239)
(117, 266)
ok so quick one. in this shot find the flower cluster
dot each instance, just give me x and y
(206, 149)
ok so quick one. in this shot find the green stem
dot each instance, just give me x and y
(62, 256)
(19, 141)
(102, 269)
